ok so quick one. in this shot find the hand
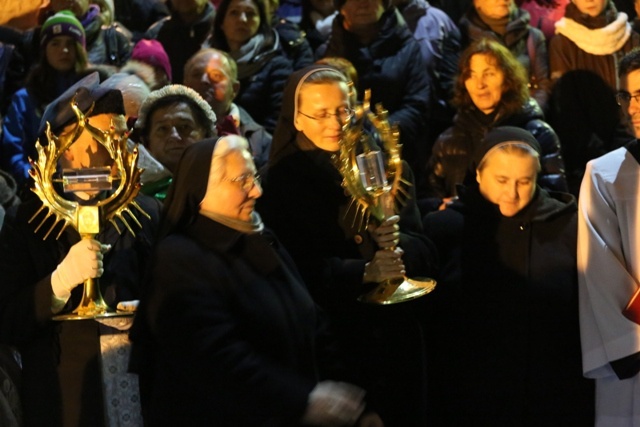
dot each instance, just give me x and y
(128, 306)
(386, 264)
(387, 234)
(334, 404)
(84, 261)
(446, 202)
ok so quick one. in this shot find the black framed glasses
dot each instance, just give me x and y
(623, 98)
(246, 181)
(343, 115)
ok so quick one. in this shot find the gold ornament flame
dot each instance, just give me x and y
(354, 138)
(115, 206)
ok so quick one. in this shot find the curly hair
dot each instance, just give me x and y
(515, 92)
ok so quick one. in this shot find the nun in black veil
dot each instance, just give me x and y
(305, 204)
(227, 332)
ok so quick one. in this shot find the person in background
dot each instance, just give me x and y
(170, 119)
(544, 14)
(242, 29)
(372, 35)
(74, 373)
(381, 344)
(440, 45)
(108, 45)
(183, 33)
(502, 332)
(292, 39)
(138, 15)
(152, 53)
(608, 265)
(503, 21)
(491, 90)
(214, 75)
(63, 61)
(591, 38)
(316, 21)
(219, 280)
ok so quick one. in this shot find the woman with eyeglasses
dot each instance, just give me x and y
(227, 333)
(339, 259)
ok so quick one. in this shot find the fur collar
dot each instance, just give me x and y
(600, 41)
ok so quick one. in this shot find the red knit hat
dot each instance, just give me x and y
(152, 52)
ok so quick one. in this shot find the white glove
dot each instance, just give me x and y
(84, 261)
(334, 404)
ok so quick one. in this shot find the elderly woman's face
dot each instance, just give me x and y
(484, 83)
(241, 22)
(322, 110)
(508, 180)
(496, 9)
(591, 7)
(234, 196)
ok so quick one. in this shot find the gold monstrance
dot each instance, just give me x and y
(87, 219)
(376, 190)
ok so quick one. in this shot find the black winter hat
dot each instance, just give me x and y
(339, 3)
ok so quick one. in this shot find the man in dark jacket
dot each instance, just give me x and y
(183, 33)
(214, 75)
(388, 61)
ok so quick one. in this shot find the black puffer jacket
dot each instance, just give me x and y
(451, 159)
(393, 68)
(261, 91)
(525, 42)
(180, 40)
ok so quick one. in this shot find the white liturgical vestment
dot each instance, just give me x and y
(609, 274)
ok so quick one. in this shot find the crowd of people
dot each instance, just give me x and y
(235, 267)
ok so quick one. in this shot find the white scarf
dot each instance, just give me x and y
(599, 41)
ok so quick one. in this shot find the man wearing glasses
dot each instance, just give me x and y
(609, 266)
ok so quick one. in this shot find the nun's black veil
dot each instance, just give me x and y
(188, 188)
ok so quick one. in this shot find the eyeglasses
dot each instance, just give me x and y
(246, 181)
(343, 115)
(623, 98)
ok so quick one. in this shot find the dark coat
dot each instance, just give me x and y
(61, 375)
(451, 160)
(587, 121)
(261, 91)
(305, 204)
(105, 45)
(502, 326)
(181, 41)
(525, 42)
(138, 15)
(233, 331)
(294, 43)
(393, 68)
